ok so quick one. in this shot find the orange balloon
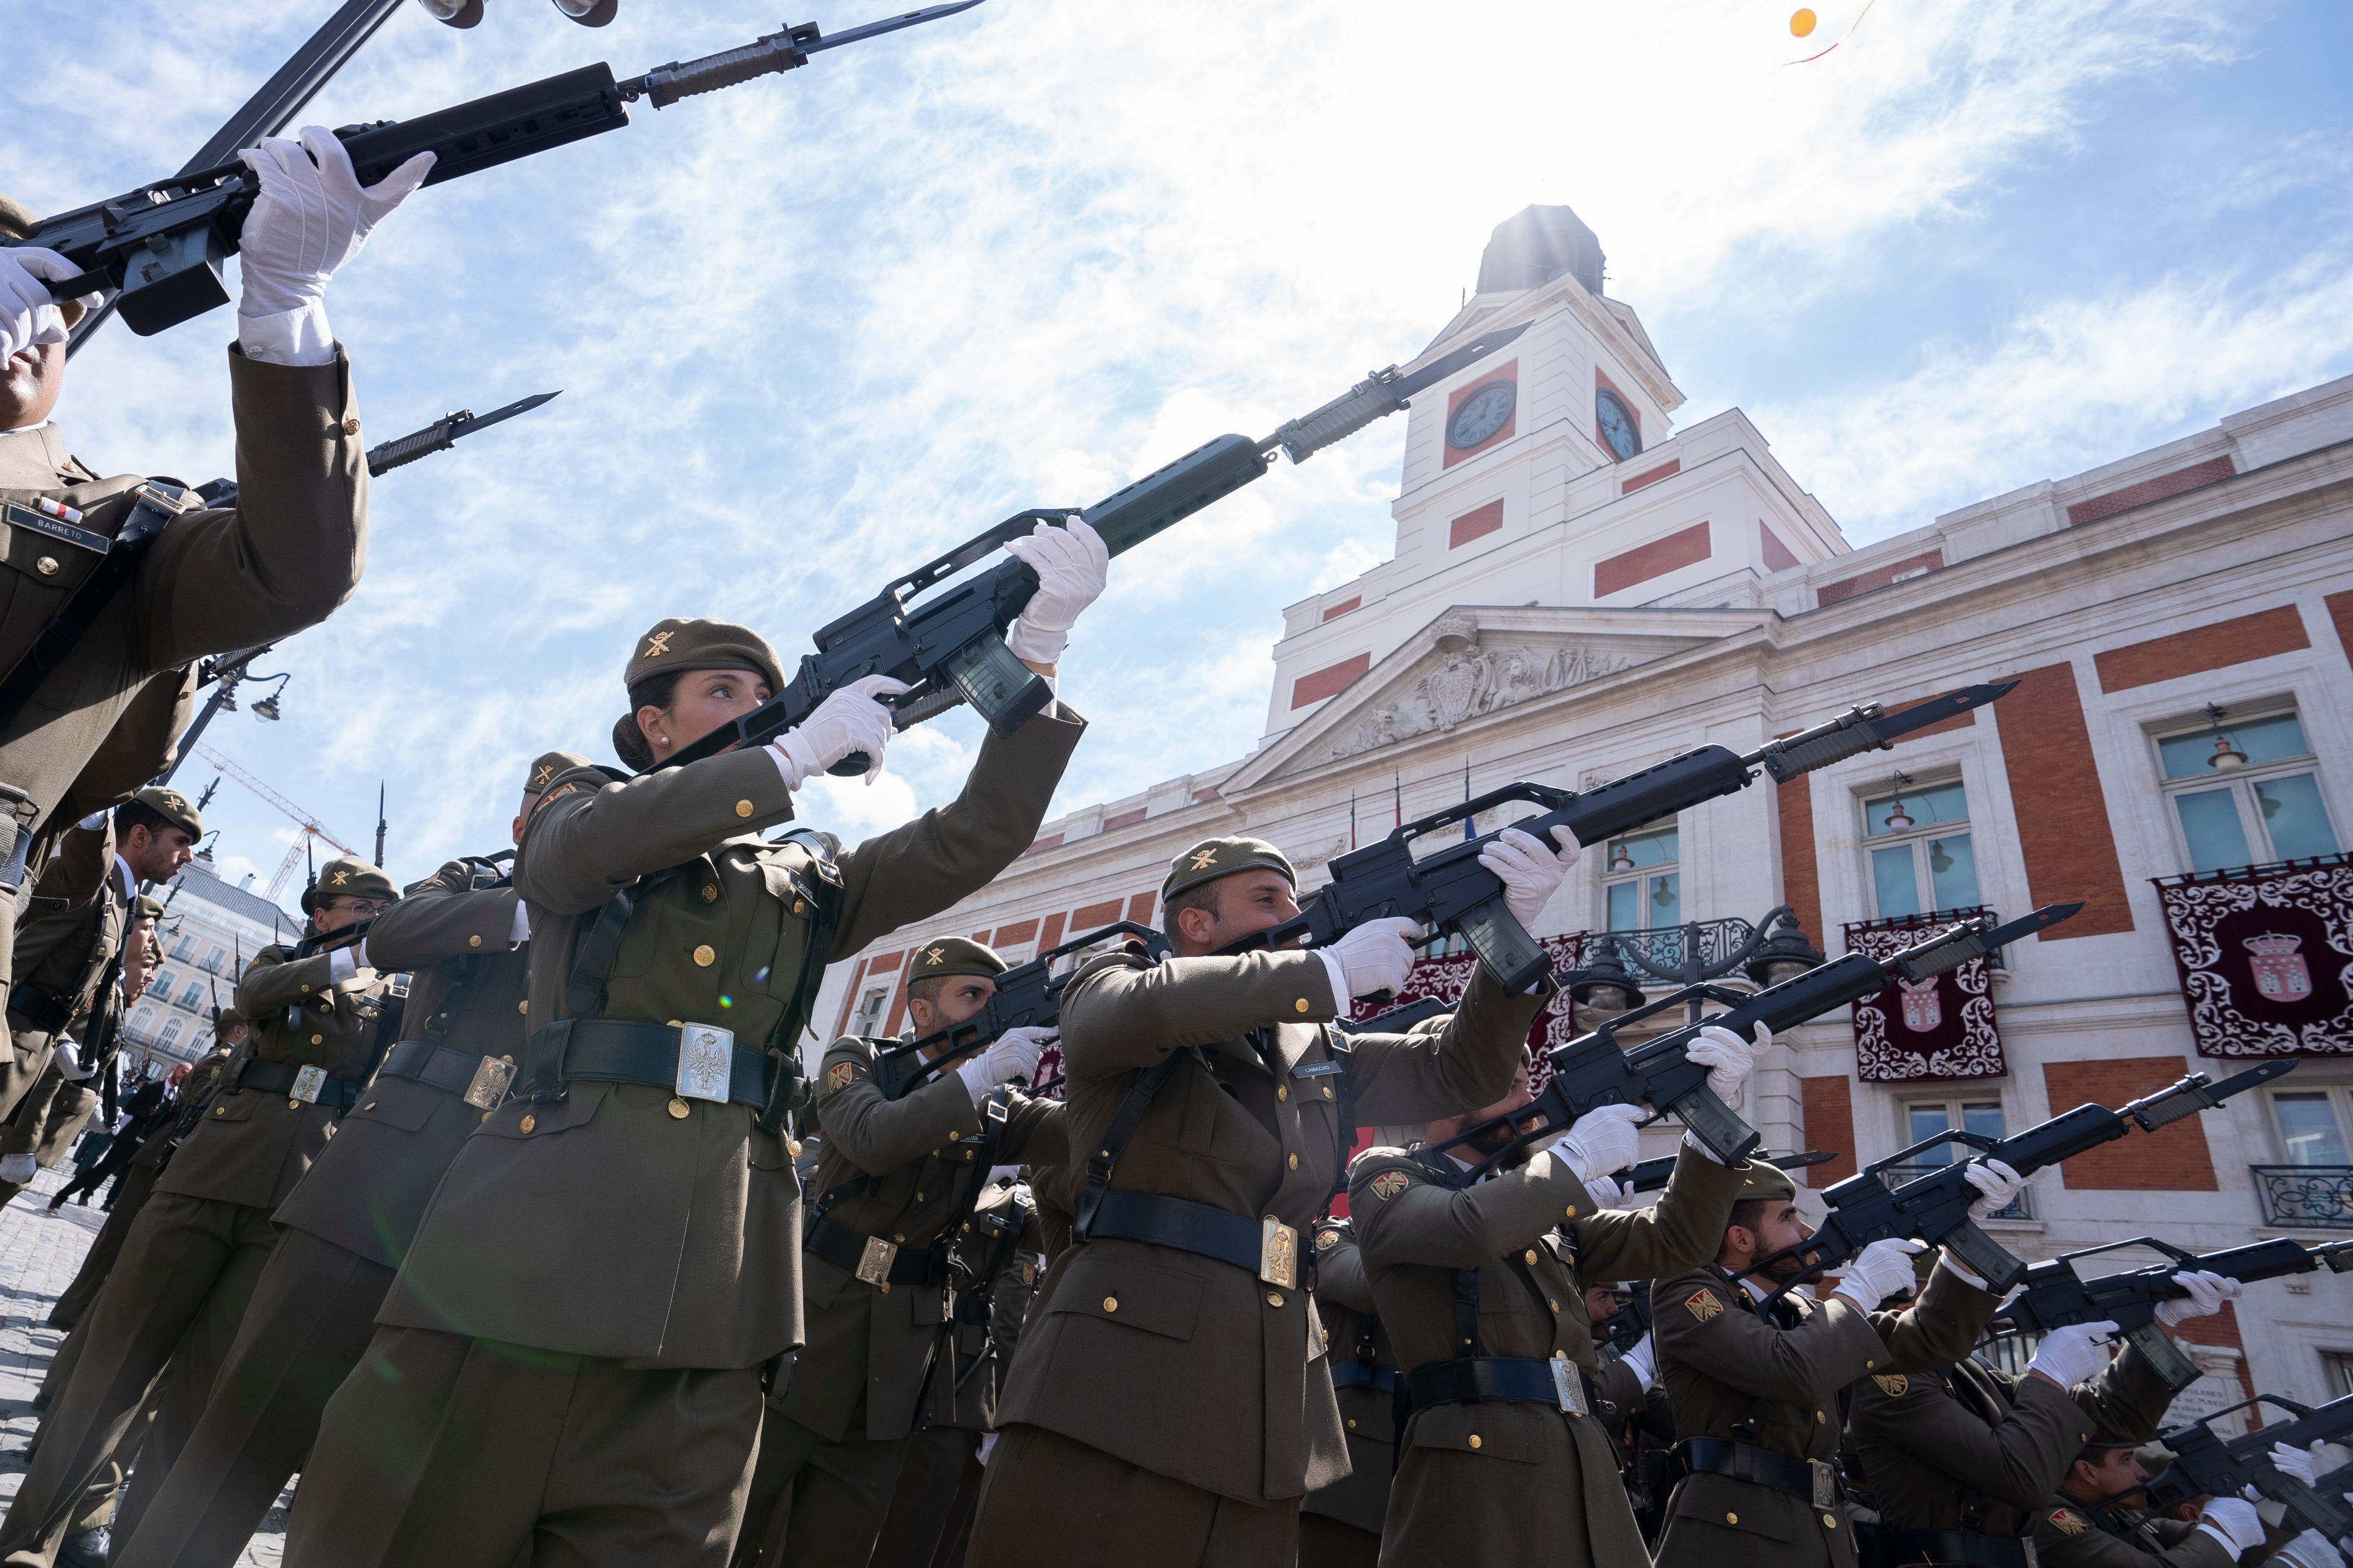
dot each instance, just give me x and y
(1801, 22)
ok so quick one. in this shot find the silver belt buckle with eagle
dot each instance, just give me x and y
(1278, 1253)
(706, 1061)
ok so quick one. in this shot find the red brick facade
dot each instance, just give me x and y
(1343, 606)
(1329, 681)
(1684, 547)
(2063, 831)
(1665, 471)
(1843, 588)
(2171, 1159)
(1778, 557)
(2259, 636)
(2212, 471)
(1476, 523)
(1827, 1105)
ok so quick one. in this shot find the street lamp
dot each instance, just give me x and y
(1772, 949)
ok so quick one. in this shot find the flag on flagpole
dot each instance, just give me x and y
(1470, 823)
(1396, 786)
(1352, 819)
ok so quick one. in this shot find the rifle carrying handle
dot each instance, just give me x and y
(1985, 1257)
(1715, 1124)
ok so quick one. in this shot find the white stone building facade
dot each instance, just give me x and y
(1579, 589)
(211, 929)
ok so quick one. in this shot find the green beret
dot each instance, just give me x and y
(952, 955)
(147, 907)
(1214, 858)
(1765, 1181)
(549, 766)
(226, 1017)
(173, 807)
(347, 877)
(679, 643)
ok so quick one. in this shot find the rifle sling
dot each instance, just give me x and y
(159, 502)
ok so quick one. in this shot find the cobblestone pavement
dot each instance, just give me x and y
(39, 1253)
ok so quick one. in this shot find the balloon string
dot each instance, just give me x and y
(1843, 37)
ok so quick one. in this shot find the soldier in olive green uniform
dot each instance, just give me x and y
(208, 580)
(572, 1349)
(1340, 1524)
(1960, 1457)
(2072, 1530)
(1756, 1389)
(1171, 1394)
(192, 1259)
(895, 1179)
(347, 1225)
(996, 1263)
(1502, 1457)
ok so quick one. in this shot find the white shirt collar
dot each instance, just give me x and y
(129, 882)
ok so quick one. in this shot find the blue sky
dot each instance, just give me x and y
(814, 328)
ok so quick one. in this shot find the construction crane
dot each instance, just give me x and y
(311, 826)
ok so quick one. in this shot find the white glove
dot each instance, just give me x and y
(68, 1056)
(2232, 1522)
(17, 1169)
(1531, 869)
(1374, 958)
(1013, 1054)
(1072, 564)
(845, 723)
(1602, 1190)
(28, 319)
(2076, 1353)
(2207, 1294)
(1997, 1185)
(2296, 1462)
(1645, 1359)
(1603, 1139)
(2310, 1550)
(1880, 1270)
(1727, 1058)
(311, 218)
(988, 1441)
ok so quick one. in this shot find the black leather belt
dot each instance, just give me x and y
(337, 1094)
(621, 1050)
(1813, 1480)
(1905, 1548)
(873, 1259)
(1371, 1375)
(436, 1067)
(44, 1010)
(1199, 1228)
(1473, 1378)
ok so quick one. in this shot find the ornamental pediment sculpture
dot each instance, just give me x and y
(1468, 681)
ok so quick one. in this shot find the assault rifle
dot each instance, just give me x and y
(163, 244)
(2057, 1295)
(2205, 1465)
(1622, 1330)
(1935, 1208)
(1398, 1020)
(1594, 1070)
(951, 648)
(1450, 891)
(1650, 1176)
(1028, 996)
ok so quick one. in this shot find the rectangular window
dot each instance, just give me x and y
(192, 995)
(2243, 792)
(1925, 1119)
(213, 960)
(1922, 858)
(1641, 881)
(183, 948)
(870, 1008)
(171, 1032)
(2310, 1128)
(2340, 1371)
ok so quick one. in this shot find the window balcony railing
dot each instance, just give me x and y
(2018, 1207)
(2305, 1197)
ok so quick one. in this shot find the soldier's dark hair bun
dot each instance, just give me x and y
(628, 741)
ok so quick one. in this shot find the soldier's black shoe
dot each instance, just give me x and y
(84, 1547)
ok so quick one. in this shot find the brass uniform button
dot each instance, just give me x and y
(1829, 1523)
(744, 808)
(509, 1061)
(900, 1239)
(1572, 1211)
(1110, 1303)
(369, 1106)
(1274, 1298)
(793, 1148)
(1474, 1439)
(1821, 1419)
(1300, 1006)
(351, 424)
(1294, 1161)
(678, 1107)
(473, 941)
(527, 1124)
(919, 1197)
(318, 1039)
(293, 1105)
(1282, 1092)
(1732, 1519)
(47, 565)
(1352, 1425)
(1554, 1301)
(486, 1116)
(953, 1136)
(1869, 1364)
(1327, 1091)
(1532, 1255)
(524, 1005)
(710, 894)
(220, 1110)
(706, 955)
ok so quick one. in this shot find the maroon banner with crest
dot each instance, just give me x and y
(2266, 956)
(1915, 1030)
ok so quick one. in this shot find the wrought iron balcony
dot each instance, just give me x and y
(2305, 1197)
(2018, 1207)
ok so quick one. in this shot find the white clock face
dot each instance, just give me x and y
(1618, 427)
(1481, 414)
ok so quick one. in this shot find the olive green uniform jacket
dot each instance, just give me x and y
(1230, 1367)
(903, 1169)
(1352, 1329)
(599, 1224)
(1732, 1373)
(2068, 1535)
(367, 1190)
(1511, 1480)
(253, 1145)
(1968, 1446)
(66, 940)
(281, 559)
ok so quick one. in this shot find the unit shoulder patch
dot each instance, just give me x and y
(1702, 1304)
(838, 1077)
(2069, 1522)
(1891, 1383)
(1388, 1184)
(1326, 1239)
